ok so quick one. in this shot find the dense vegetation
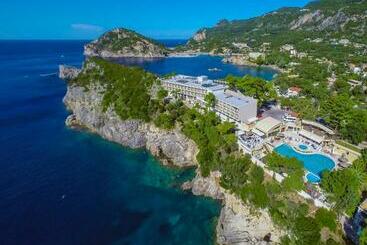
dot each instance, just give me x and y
(292, 167)
(254, 87)
(345, 186)
(282, 27)
(127, 89)
(124, 40)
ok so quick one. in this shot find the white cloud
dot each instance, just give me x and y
(87, 28)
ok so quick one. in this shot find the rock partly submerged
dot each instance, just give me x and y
(236, 224)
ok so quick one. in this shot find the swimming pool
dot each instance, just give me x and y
(303, 147)
(314, 163)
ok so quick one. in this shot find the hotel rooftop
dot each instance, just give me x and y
(233, 98)
(230, 104)
(198, 82)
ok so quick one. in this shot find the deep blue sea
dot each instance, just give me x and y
(62, 186)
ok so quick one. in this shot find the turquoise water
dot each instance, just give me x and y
(314, 163)
(303, 147)
(313, 178)
(64, 187)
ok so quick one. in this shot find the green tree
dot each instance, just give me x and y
(161, 94)
(306, 231)
(303, 106)
(252, 86)
(256, 174)
(326, 218)
(363, 237)
(294, 182)
(343, 188)
(210, 100)
(281, 164)
(234, 171)
(256, 194)
(164, 121)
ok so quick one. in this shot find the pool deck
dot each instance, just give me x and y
(295, 140)
(313, 153)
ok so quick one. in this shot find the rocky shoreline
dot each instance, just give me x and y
(242, 60)
(236, 224)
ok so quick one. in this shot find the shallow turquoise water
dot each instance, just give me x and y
(313, 178)
(64, 187)
(314, 163)
(303, 147)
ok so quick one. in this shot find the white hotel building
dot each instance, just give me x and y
(229, 104)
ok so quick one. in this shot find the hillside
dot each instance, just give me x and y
(322, 50)
(124, 43)
(330, 29)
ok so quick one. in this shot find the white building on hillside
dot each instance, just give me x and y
(235, 106)
(229, 104)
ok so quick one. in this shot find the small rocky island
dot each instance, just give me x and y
(122, 43)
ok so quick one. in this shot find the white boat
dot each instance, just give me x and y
(214, 69)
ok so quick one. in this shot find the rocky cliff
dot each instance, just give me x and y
(237, 223)
(68, 72)
(121, 43)
(171, 147)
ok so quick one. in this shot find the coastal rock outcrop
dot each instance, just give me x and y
(237, 223)
(200, 36)
(237, 60)
(120, 43)
(68, 72)
(208, 186)
(171, 147)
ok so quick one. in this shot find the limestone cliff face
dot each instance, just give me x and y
(171, 147)
(68, 72)
(121, 43)
(237, 223)
(200, 36)
(318, 21)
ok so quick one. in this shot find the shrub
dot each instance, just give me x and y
(256, 194)
(326, 218)
(306, 231)
(294, 182)
(256, 174)
(164, 121)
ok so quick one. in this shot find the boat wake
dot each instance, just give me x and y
(48, 74)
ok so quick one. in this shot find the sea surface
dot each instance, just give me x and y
(63, 186)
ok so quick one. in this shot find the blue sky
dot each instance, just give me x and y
(87, 19)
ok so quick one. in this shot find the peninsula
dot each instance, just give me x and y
(122, 43)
